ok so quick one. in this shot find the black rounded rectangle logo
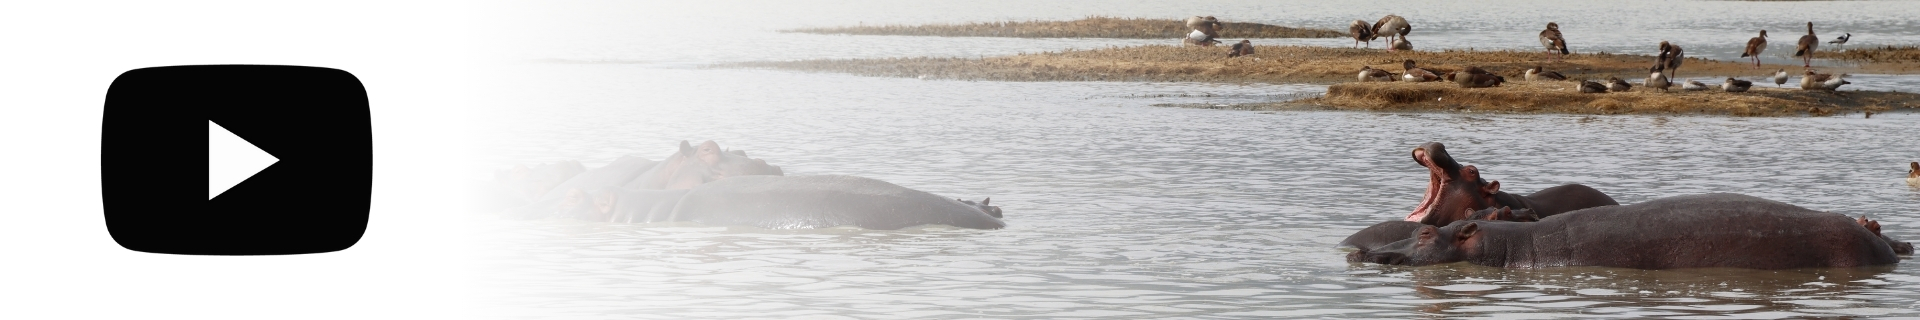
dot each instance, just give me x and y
(314, 199)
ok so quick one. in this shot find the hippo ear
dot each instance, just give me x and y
(686, 148)
(1467, 231)
(1490, 188)
(990, 200)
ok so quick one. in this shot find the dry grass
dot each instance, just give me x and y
(1882, 54)
(1564, 97)
(1283, 64)
(1091, 27)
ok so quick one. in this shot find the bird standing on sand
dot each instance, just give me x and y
(1842, 41)
(1244, 48)
(1551, 39)
(1779, 77)
(1361, 32)
(1537, 73)
(1691, 85)
(1734, 85)
(1808, 43)
(1658, 79)
(1616, 85)
(1371, 74)
(1588, 86)
(1821, 81)
(1754, 47)
(1415, 74)
(1671, 56)
(1393, 27)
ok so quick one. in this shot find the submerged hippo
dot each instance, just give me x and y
(1454, 190)
(1384, 233)
(781, 202)
(692, 166)
(1696, 231)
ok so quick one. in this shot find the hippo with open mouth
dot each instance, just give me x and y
(1456, 191)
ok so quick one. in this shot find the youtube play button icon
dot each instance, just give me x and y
(290, 160)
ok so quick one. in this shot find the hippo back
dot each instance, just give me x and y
(781, 202)
(1714, 230)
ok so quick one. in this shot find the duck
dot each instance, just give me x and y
(1658, 79)
(1913, 175)
(1779, 77)
(1617, 85)
(1691, 85)
(1401, 43)
(1754, 47)
(1479, 80)
(1392, 26)
(1361, 32)
(1244, 48)
(1808, 43)
(1551, 39)
(1588, 86)
(1371, 74)
(1415, 74)
(1198, 38)
(1736, 85)
(1842, 40)
(1672, 56)
(1538, 73)
(1821, 81)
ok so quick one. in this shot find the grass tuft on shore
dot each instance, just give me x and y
(1090, 27)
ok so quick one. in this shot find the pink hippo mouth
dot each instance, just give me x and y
(1435, 178)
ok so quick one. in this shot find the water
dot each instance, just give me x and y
(1117, 208)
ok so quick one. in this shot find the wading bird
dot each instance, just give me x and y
(1754, 47)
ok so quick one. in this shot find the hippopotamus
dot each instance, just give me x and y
(1899, 247)
(1694, 231)
(782, 202)
(1454, 190)
(693, 166)
(1384, 233)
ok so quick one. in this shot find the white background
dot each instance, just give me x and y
(56, 258)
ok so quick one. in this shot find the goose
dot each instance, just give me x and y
(1537, 73)
(1479, 80)
(1401, 43)
(1734, 85)
(1361, 32)
(1198, 38)
(1551, 39)
(1658, 79)
(1779, 77)
(1588, 86)
(1371, 74)
(1392, 26)
(1691, 85)
(1913, 175)
(1808, 43)
(1415, 74)
(1244, 48)
(1842, 40)
(1672, 56)
(1208, 24)
(1617, 85)
(1754, 47)
(1821, 81)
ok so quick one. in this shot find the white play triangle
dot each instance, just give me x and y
(231, 160)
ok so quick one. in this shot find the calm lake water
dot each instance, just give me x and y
(1117, 208)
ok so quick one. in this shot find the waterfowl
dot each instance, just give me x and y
(1474, 70)
(1658, 79)
(1821, 81)
(1479, 80)
(1414, 74)
(1402, 44)
(1842, 40)
(1779, 77)
(1913, 175)
(1588, 86)
(1551, 39)
(1361, 32)
(1371, 74)
(1617, 85)
(1733, 85)
(1754, 47)
(1808, 43)
(1671, 57)
(1537, 73)
(1392, 26)
(1208, 24)
(1198, 38)
(1691, 85)
(1244, 48)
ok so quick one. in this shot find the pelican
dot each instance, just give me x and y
(1658, 79)
(1537, 73)
(1808, 43)
(1671, 57)
(1244, 48)
(1617, 85)
(1401, 43)
(1734, 85)
(1779, 77)
(1551, 39)
(1588, 86)
(1842, 41)
(1415, 74)
(1361, 32)
(1691, 85)
(1821, 81)
(1754, 47)
(1392, 26)
(1371, 74)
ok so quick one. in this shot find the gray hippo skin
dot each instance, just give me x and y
(692, 166)
(1696, 231)
(781, 202)
(1384, 233)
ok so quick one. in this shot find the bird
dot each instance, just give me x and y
(1479, 80)
(1672, 56)
(1244, 48)
(1617, 85)
(1371, 74)
(1361, 32)
(1205, 29)
(1754, 47)
(1735, 85)
(1821, 81)
(1392, 26)
(1401, 43)
(1415, 74)
(1588, 86)
(1551, 39)
(1691, 85)
(1474, 70)
(1658, 79)
(1913, 175)
(1199, 38)
(1537, 73)
(1779, 77)
(1842, 41)
(1808, 43)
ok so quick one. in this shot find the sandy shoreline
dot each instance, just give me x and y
(1090, 27)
